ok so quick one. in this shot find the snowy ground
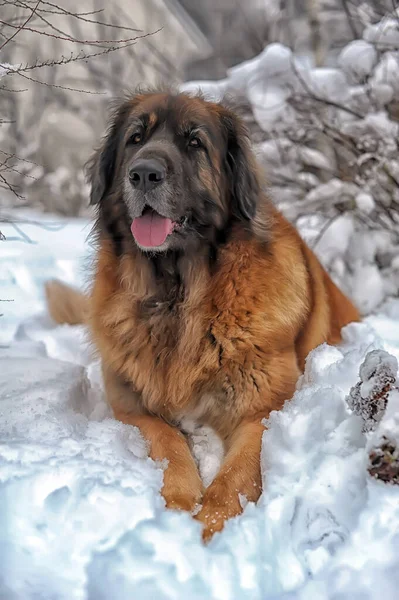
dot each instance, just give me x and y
(81, 516)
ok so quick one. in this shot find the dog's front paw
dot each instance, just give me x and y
(182, 493)
(187, 502)
(218, 505)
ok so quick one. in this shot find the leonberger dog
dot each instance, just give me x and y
(205, 301)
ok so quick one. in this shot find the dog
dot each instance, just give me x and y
(205, 301)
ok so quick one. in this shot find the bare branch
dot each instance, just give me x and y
(60, 87)
(66, 61)
(76, 41)
(20, 27)
(8, 186)
(350, 19)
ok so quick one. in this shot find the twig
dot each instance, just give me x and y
(80, 16)
(324, 229)
(75, 41)
(60, 87)
(22, 26)
(65, 61)
(313, 96)
(7, 185)
(350, 19)
(328, 103)
(11, 155)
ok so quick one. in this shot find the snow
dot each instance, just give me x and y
(213, 90)
(365, 202)
(358, 59)
(328, 83)
(387, 71)
(384, 35)
(6, 68)
(389, 425)
(81, 516)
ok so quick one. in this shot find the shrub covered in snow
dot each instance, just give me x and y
(328, 141)
(384, 461)
(375, 398)
(369, 397)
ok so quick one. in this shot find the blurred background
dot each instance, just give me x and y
(317, 82)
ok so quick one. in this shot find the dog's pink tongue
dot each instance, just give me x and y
(151, 230)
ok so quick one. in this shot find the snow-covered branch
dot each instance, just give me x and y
(327, 138)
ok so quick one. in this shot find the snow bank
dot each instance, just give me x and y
(81, 515)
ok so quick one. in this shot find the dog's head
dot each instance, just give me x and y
(173, 172)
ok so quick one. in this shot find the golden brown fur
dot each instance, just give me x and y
(226, 353)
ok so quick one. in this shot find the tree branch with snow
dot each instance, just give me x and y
(327, 138)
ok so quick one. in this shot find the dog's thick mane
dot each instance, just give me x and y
(168, 269)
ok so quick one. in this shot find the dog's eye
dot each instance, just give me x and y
(135, 138)
(195, 142)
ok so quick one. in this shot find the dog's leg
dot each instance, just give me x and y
(182, 486)
(240, 471)
(239, 475)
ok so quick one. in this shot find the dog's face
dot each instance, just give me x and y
(173, 171)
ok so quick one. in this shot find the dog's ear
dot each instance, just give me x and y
(241, 167)
(102, 166)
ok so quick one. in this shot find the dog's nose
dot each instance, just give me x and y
(147, 173)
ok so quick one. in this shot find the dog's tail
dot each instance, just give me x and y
(66, 304)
